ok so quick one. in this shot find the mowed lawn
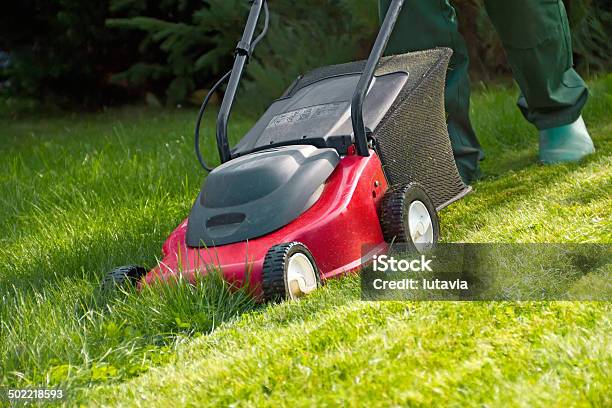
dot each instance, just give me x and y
(82, 193)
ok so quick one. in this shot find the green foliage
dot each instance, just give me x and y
(302, 35)
(192, 47)
(591, 22)
(114, 49)
(63, 49)
(180, 41)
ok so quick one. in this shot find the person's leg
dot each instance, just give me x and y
(425, 24)
(536, 36)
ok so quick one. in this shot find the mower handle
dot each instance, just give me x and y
(243, 53)
(359, 129)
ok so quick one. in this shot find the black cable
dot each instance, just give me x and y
(199, 121)
(218, 84)
(265, 29)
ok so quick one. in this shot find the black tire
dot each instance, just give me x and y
(394, 215)
(123, 276)
(274, 283)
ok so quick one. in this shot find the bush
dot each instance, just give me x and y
(302, 35)
(62, 49)
(591, 22)
(103, 52)
(308, 34)
(169, 45)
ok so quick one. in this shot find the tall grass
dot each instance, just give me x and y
(80, 195)
(79, 334)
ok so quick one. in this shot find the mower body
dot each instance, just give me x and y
(296, 176)
(334, 228)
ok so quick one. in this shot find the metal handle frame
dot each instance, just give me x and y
(359, 129)
(242, 57)
(243, 51)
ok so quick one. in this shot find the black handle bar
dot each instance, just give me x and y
(359, 129)
(243, 51)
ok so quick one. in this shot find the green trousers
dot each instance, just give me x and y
(536, 38)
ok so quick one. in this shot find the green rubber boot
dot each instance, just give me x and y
(567, 143)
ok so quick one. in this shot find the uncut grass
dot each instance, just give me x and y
(83, 194)
(83, 335)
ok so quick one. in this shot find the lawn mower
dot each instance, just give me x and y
(351, 158)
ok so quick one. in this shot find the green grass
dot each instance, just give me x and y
(82, 193)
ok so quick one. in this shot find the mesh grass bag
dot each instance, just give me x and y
(412, 138)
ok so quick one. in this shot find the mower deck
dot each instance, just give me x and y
(336, 229)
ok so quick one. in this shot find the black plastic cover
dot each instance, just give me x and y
(320, 113)
(258, 193)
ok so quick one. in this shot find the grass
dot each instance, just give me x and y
(80, 194)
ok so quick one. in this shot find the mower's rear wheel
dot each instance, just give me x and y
(409, 216)
(123, 276)
(289, 272)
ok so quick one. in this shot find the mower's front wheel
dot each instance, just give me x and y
(409, 216)
(123, 276)
(289, 272)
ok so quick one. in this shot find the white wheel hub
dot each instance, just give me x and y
(301, 276)
(420, 226)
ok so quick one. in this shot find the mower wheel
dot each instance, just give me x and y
(409, 216)
(123, 276)
(289, 272)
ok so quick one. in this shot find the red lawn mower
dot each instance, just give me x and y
(349, 159)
